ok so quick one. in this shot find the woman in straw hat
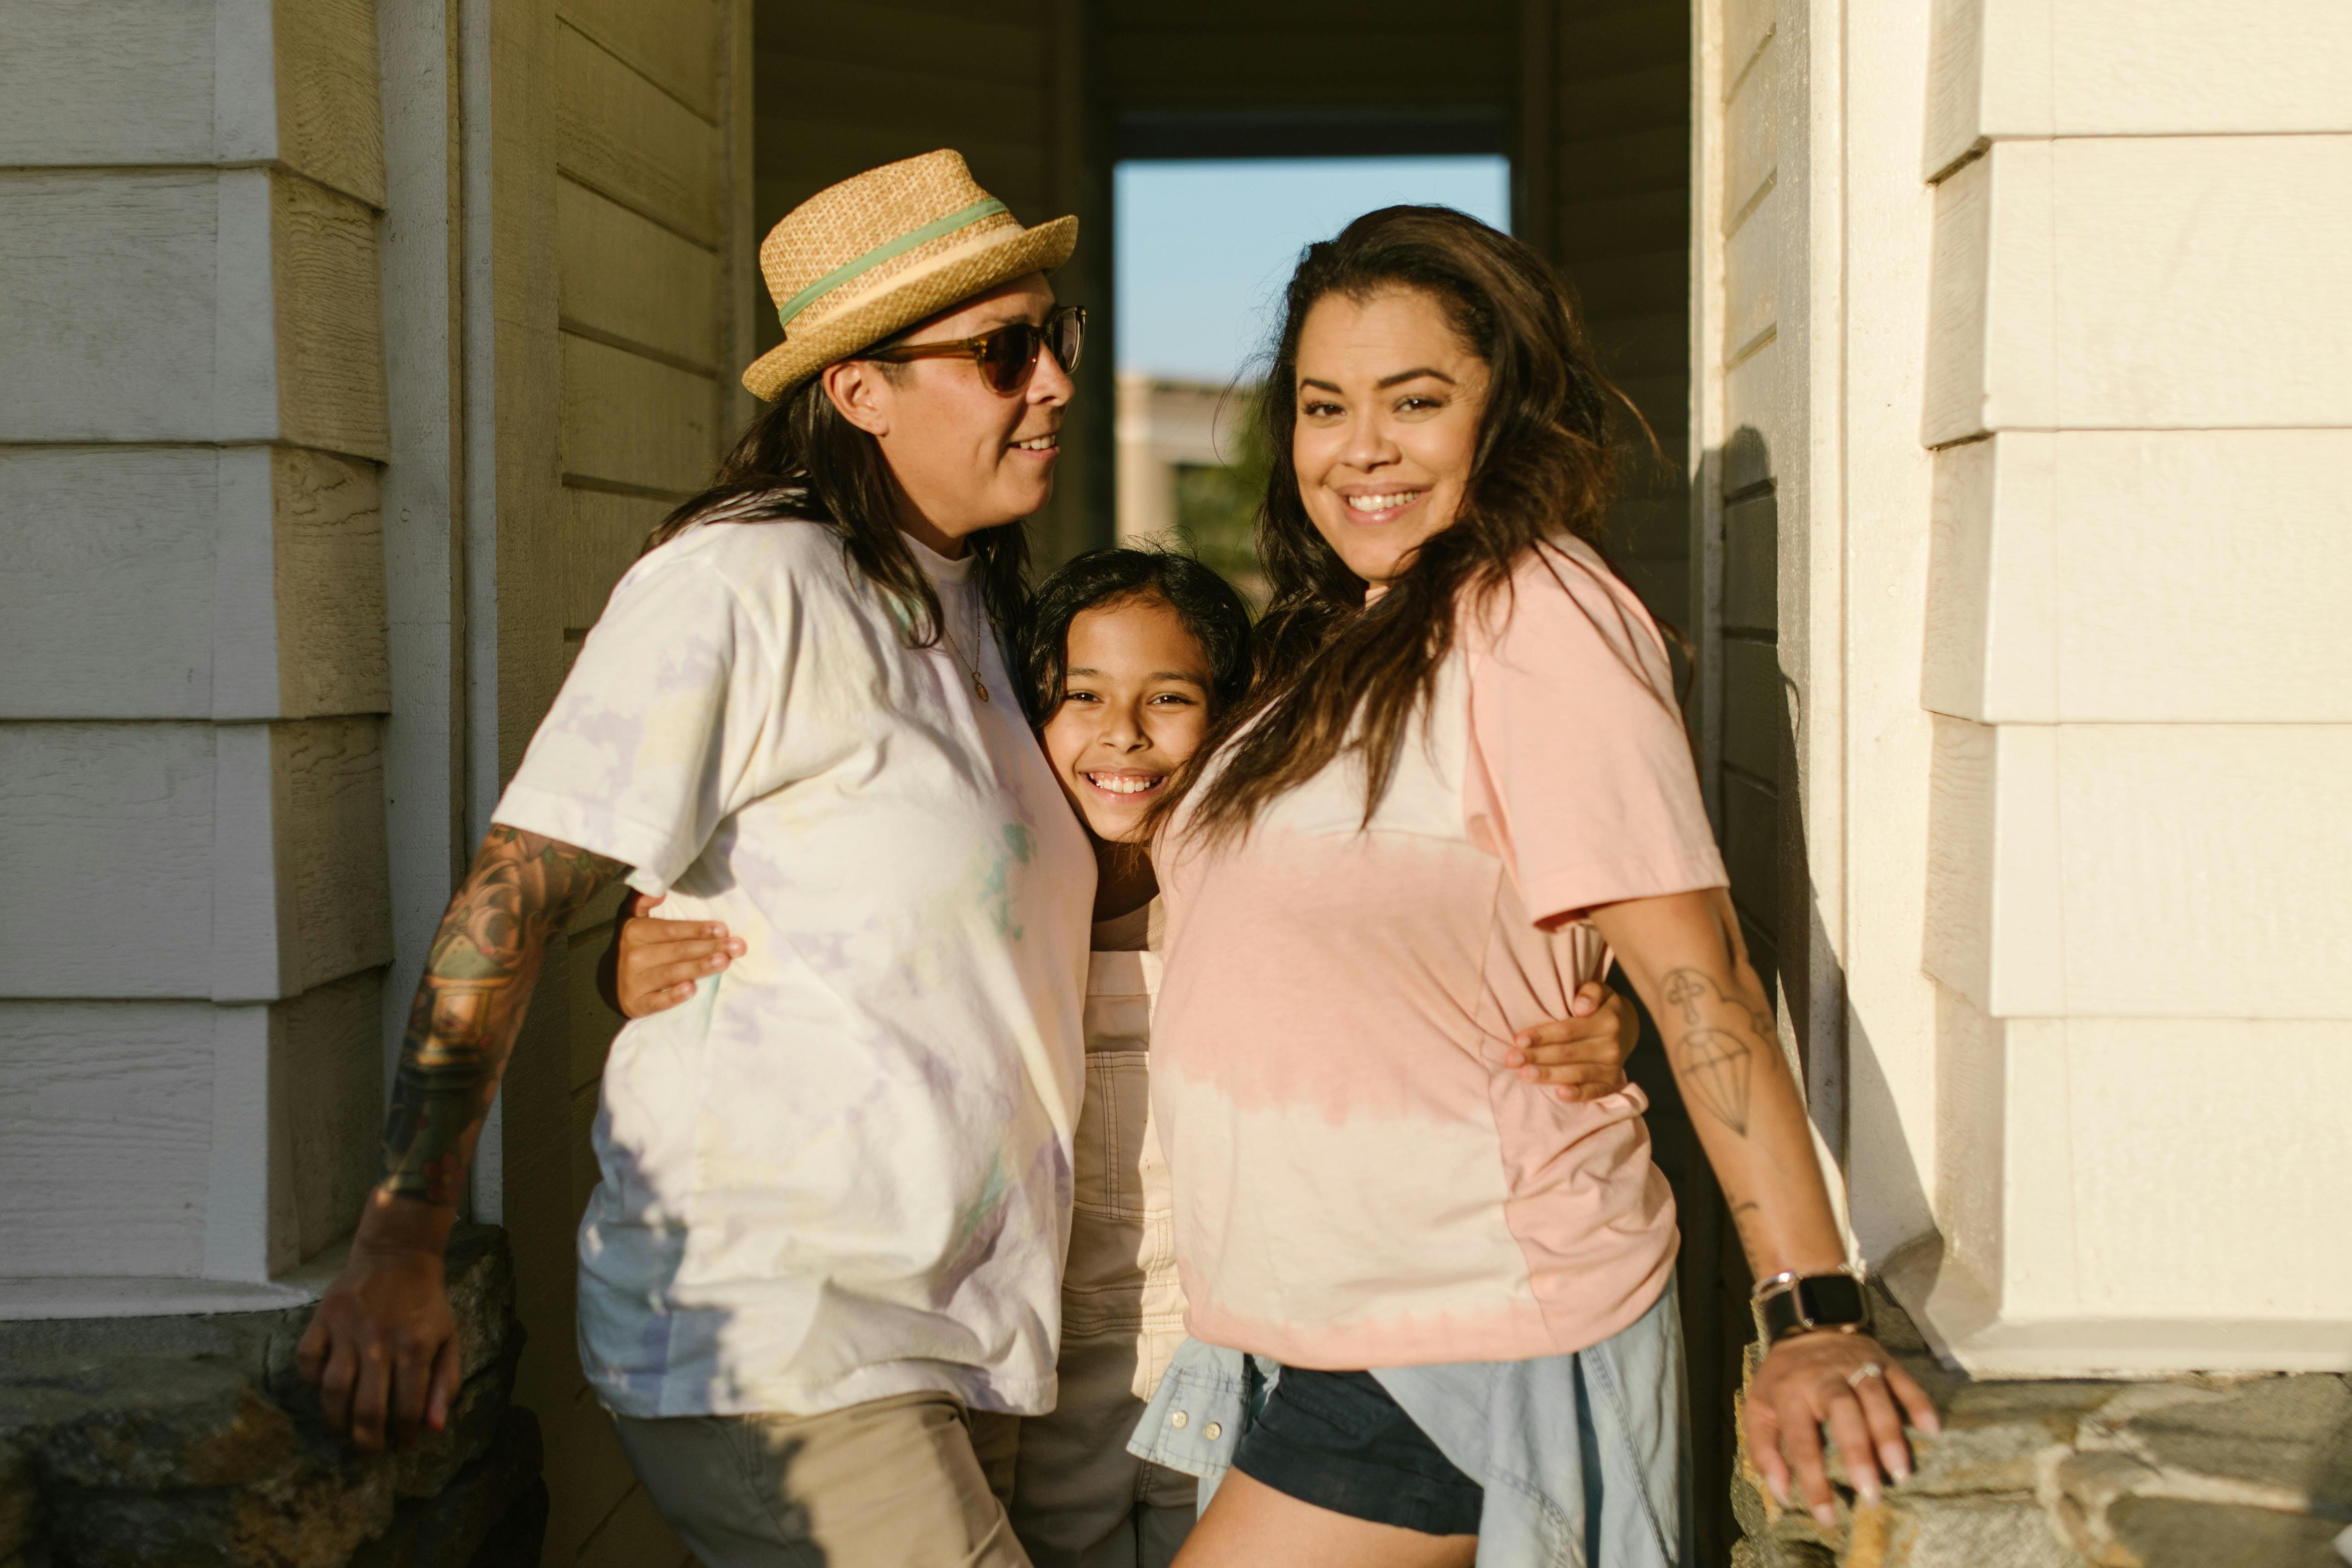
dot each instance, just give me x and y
(837, 1185)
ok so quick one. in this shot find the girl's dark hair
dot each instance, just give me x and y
(802, 462)
(1204, 601)
(1334, 677)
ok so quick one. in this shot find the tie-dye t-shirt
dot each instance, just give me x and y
(1360, 1181)
(842, 1170)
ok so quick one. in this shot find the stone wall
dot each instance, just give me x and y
(2183, 1472)
(158, 1442)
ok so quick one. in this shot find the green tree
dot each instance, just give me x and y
(1217, 504)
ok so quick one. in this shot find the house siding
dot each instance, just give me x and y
(191, 439)
(2135, 396)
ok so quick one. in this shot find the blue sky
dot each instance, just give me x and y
(1204, 248)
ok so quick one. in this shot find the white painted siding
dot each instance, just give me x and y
(2220, 556)
(2055, 609)
(2103, 1124)
(2118, 871)
(108, 829)
(192, 666)
(108, 608)
(108, 1111)
(189, 582)
(127, 269)
(2034, 69)
(153, 83)
(179, 1137)
(2132, 283)
(2135, 383)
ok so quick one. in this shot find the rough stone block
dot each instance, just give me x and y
(2331, 1476)
(481, 1276)
(132, 1442)
(309, 1518)
(2085, 1487)
(2269, 1431)
(1970, 1532)
(154, 1424)
(1997, 1435)
(2195, 1471)
(2166, 1533)
(453, 1528)
(474, 1423)
(519, 1537)
(20, 1502)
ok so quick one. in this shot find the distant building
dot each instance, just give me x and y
(1183, 471)
(1166, 426)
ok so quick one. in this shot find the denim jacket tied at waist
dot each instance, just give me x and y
(1584, 1458)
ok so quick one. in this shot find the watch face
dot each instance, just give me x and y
(1831, 1299)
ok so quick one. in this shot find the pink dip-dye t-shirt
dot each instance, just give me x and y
(1359, 1180)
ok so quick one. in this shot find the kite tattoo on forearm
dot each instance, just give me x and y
(521, 890)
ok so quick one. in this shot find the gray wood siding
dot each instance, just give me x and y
(193, 664)
(844, 85)
(621, 256)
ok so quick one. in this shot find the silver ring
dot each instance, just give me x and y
(1867, 1369)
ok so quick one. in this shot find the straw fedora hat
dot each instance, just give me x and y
(879, 252)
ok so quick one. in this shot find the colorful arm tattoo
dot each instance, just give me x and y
(477, 981)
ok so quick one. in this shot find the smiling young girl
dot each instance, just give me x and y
(1126, 659)
(1126, 656)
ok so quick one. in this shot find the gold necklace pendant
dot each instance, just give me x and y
(955, 646)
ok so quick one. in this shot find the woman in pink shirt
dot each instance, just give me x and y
(1461, 784)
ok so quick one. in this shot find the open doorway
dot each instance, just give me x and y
(1568, 121)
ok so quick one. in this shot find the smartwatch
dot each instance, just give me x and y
(1790, 1304)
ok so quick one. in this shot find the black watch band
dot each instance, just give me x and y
(1797, 1303)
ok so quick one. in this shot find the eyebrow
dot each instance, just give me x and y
(1388, 381)
(1155, 674)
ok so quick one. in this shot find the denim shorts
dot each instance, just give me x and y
(1337, 1441)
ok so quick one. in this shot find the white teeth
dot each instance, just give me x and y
(1121, 785)
(1389, 503)
(1039, 444)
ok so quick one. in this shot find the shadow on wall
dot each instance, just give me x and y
(1761, 824)
(1761, 815)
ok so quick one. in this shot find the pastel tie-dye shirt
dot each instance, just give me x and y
(1359, 1181)
(842, 1170)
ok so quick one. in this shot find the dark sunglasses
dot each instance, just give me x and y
(1007, 356)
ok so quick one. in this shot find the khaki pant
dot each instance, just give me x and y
(912, 1481)
(1079, 1499)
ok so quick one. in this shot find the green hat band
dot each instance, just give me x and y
(906, 242)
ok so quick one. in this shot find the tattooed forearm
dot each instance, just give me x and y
(1684, 954)
(477, 981)
(1713, 1044)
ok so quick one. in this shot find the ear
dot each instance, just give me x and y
(861, 393)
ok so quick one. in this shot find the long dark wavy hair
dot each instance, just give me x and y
(1333, 676)
(802, 462)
